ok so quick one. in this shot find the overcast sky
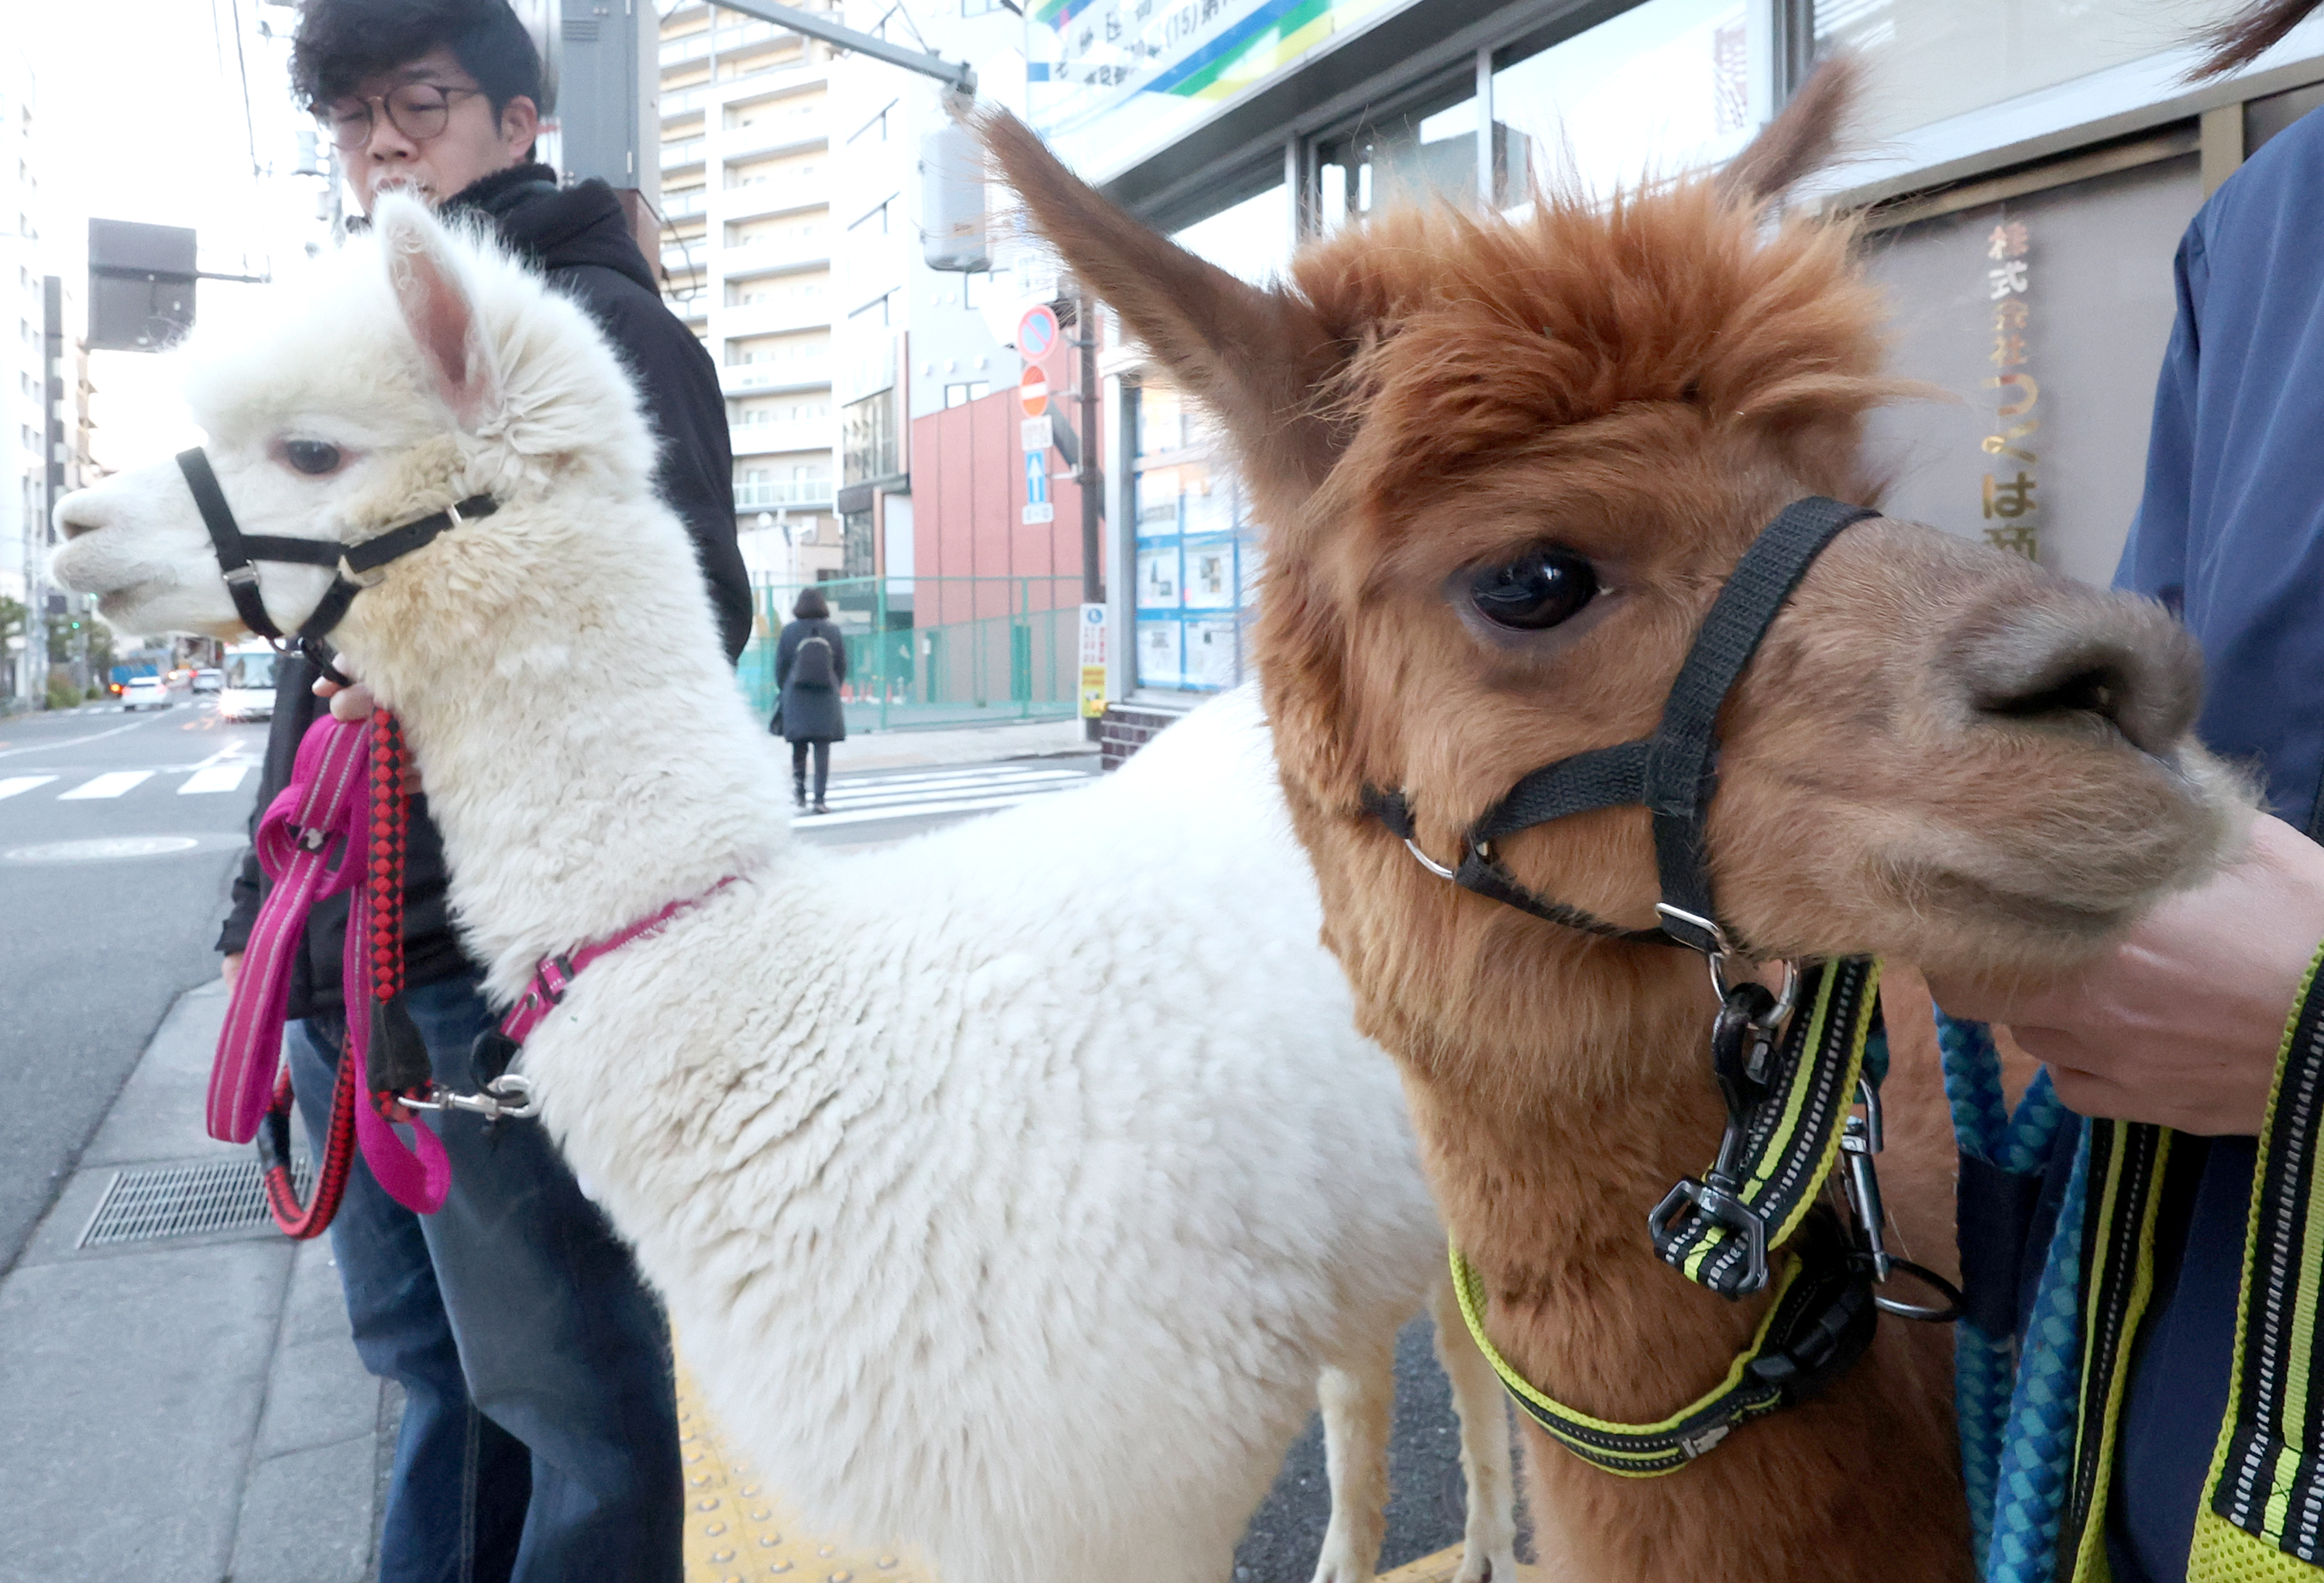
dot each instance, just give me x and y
(140, 115)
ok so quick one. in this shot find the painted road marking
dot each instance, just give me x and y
(15, 783)
(217, 778)
(112, 785)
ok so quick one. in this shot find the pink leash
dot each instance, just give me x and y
(308, 842)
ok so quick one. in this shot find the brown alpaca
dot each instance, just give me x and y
(1941, 754)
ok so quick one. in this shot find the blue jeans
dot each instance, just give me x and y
(540, 1438)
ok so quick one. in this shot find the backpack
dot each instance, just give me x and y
(811, 666)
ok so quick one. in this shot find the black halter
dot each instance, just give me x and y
(1673, 773)
(237, 550)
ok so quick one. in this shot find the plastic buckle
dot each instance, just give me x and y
(1720, 1206)
(552, 978)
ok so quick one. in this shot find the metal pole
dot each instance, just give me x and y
(1086, 474)
(956, 74)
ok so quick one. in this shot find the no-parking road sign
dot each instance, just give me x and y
(1037, 333)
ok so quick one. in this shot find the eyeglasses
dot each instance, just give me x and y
(419, 110)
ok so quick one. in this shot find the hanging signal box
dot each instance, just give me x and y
(953, 231)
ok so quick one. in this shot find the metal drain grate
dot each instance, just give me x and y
(185, 1201)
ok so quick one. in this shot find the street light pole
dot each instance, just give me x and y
(955, 74)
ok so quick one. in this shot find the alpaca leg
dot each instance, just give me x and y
(1357, 1397)
(1490, 1539)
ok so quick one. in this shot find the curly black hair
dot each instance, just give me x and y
(340, 42)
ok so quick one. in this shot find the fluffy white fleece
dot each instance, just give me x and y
(1011, 1190)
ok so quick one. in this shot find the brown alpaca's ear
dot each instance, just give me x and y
(1803, 139)
(1256, 358)
(433, 296)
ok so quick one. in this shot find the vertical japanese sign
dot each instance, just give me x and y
(2012, 505)
(1094, 635)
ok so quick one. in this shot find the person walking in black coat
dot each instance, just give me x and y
(811, 663)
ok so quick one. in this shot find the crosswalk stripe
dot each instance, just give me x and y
(941, 783)
(868, 815)
(107, 785)
(217, 778)
(866, 797)
(15, 783)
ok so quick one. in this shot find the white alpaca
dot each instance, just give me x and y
(1012, 1192)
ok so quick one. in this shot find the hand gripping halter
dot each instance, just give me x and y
(352, 562)
(1789, 1086)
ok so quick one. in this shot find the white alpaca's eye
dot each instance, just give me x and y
(311, 457)
(1537, 593)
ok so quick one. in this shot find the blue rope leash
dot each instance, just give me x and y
(2016, 1412)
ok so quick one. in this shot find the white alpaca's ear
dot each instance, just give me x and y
(437, 308)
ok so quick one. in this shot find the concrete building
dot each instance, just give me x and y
(746, 193)
(24, 416)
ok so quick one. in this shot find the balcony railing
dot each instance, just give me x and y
(795, 493)
(789, 373)
(782, 434)
(685, 152)
(684, 206)
(694, 256)
(751, 318)
(696, 46)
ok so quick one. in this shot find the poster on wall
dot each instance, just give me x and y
(1213, 654)
(1161, 662)
(1211, 576)
(1157, 577)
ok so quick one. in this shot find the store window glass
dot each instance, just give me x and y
(1424, 152)
(1252, 240)
(1195, 553)
(1663, 88)
(1932, 60)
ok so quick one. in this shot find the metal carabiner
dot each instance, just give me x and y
(1861, 1139)
(508, 1096)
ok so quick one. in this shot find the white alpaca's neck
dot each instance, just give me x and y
(586, 752)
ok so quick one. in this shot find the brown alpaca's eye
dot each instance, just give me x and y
(311, 457)
(1537, 593)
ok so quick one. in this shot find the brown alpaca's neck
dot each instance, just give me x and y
(1547, 1184)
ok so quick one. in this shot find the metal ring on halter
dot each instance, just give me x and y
(1482, 849)
(1936, 1313)
(1786, 998)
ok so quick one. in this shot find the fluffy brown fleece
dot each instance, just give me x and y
(1645, 383)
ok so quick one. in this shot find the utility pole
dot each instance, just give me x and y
(1086, 474)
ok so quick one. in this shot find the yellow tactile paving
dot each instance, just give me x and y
(738, 1533)
(1440, 1568)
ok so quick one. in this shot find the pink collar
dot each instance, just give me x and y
(552, 976)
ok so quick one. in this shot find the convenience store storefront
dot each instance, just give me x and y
(2028, 167)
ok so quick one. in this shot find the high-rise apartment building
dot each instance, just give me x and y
(746, 193)
(23, 418)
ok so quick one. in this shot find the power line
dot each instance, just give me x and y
(249, 128)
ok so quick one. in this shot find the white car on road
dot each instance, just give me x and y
(143, 691)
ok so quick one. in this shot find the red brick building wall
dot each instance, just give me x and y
(968, 498)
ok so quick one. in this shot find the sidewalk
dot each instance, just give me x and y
(187, 1407)
(960, 744)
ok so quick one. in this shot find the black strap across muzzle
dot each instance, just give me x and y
(1673, 773)
(236, 550)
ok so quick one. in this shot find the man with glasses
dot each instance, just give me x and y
(540, 1436)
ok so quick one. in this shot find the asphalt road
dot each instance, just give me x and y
(108, 905)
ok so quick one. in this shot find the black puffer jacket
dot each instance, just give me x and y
(811, 714)
(580, 239)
